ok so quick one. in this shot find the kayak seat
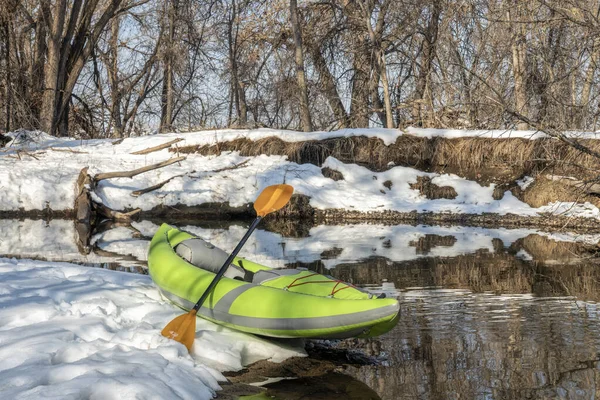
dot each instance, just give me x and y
(205, 255)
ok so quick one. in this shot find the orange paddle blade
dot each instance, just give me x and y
(272, 198)
(182, 329)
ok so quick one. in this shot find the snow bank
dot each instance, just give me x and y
(72, 332)
(37, 139)
(48, 180)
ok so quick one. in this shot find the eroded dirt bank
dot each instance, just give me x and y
(560, 172)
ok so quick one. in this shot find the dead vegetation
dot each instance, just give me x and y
(481, 159)
(433, 191)
(332, 174)
(544, 191)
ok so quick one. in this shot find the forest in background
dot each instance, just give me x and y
(116, 68)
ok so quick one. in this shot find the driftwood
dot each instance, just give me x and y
(131, 174)
(236, 166)
(587, 187)
(20, 153)
(159, 147)
(115, 215)
(140, 192)
(68, 150)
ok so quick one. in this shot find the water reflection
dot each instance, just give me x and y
(455, 344)
(113, 247)
(486, 313)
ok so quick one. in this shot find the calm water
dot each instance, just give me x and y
(486, 313)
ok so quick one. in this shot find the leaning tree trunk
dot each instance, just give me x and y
(328, 85)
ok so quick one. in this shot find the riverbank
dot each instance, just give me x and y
(517, 178)
(68, 331)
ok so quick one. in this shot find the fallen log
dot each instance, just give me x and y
(157, 148)
(68, 150)
(116, 215)
(131, 174)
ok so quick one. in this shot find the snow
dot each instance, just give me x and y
(45, 177)
(525, 182)
(210, 137)
(72, 332)
(492, 133)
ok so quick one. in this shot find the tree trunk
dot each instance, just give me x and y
(168, 91)
(376, 52)
(428, 55)
(300, 75)
(327, 83)
(389, 116)
(586, 91)
(48, 112)
(113, 77)
(69, 48)
(37, 66)
(8, 96)
(359, 103)
(519, 66)
(242, 105)
(237, 90)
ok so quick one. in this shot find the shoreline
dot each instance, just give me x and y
(222, 212)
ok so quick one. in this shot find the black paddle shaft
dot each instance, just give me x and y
(226, 265)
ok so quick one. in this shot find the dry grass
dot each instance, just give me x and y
(370, 152)
(332, 174)
(433, 191)
(469, 157)
(543, 191)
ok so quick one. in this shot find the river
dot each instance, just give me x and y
(485, 313)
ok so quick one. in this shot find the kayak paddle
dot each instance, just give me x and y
(183, 328)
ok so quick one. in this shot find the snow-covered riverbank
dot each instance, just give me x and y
(73, 332)
(39, 172)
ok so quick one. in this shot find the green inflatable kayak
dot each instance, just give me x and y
(287, 303)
